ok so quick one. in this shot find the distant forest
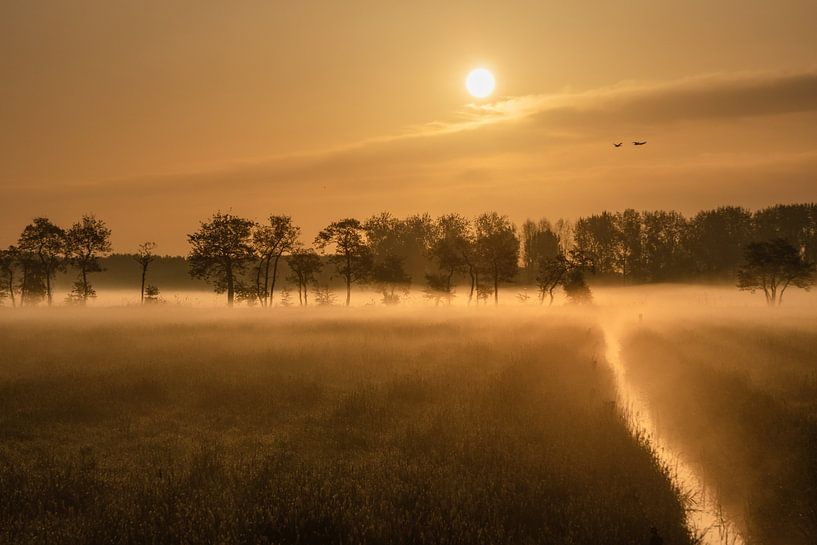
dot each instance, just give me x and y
(250, 260)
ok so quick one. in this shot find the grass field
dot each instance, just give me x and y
(741, 396)
(207, 427)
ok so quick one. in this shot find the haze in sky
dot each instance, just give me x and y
(155, 114)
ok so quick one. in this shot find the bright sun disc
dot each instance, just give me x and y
(480, 83)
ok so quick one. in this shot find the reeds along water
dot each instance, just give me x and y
(704, 513)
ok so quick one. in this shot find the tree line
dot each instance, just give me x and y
(767, 250)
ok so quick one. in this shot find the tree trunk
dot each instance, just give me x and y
(84, 285)
(473, 276)
(144, 274)
(48, 284)
(230, 287)
(274, 278)
(267, 291)
(348, 278)
(496, 287)
(261, 295)
(23, 286)
(11, 288)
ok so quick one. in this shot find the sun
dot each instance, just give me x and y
(480, 83)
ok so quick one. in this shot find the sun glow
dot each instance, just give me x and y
(480, 83)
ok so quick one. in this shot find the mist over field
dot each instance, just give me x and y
(186, 422)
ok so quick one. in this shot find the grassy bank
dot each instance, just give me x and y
(741, 400)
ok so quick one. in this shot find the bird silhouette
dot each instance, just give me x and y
(639, 143)
(617, 145)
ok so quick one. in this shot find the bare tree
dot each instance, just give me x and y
(304, 264)
(88, 240)
(772, 267)
(497, 248)
(144, 256)
(220, 249)
(352, 258)
(270, 243)
(47, 242)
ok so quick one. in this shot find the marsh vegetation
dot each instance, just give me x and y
(204, 427)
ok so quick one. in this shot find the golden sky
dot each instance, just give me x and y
(154, 114)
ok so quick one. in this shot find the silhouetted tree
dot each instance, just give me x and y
(629, 258)
(352, 257)
(772, 267)
(451, 247)
(662, 250)
(716, 240)
(576, 288)
(88, 240)
(597, 237)
(270, 243)
(151, 296)
(144, 256)
(8, 266)
(795, 223)
(497, 248)
(551, 274)
(389, 276)
(418, 235)
(48, 243)
(304, 265)
(408, 239)
(220, 250)
(539, 241)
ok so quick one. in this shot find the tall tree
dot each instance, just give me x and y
(629, 256)
(220, 250)
(539, 241)
(575, 286)
(390, 276)
(88, 240)
(497, 248)
(144, 256)
(663, 252)
(304, 264)
(716, 240)
(352, 257)
(551, 274)
(48, 243)
(796, 223)
(772, 267)
(270, 242)
(597, 237)
(8, 266)
(450, 248)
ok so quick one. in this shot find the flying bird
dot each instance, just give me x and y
(639, 143)
(617, 145)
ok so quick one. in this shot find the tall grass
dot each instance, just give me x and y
(119, 427)
(740, 397)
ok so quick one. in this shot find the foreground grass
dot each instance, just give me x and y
(123, 428)
(742, 398)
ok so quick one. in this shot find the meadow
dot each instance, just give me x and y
(349, 426)
(738, 394)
